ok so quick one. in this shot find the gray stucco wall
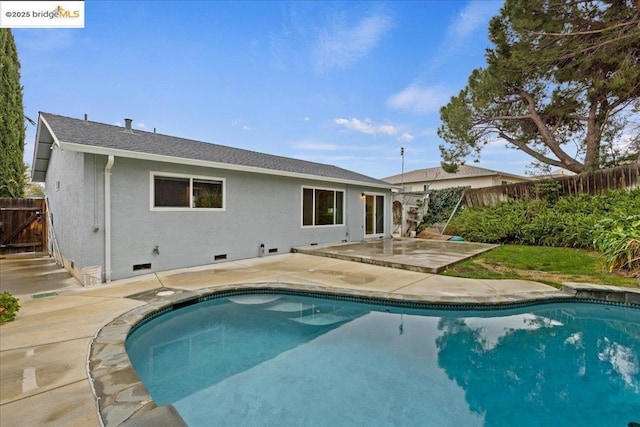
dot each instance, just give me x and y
(65, 193)
(260, 209)
(93, 221)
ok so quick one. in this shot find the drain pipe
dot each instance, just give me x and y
(107, 219)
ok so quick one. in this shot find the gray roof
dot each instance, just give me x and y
(438, 174)
(88, 136)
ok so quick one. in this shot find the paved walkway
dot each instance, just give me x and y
(44, 352)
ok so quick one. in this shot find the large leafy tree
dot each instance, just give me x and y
(562, 84)
(12, 130)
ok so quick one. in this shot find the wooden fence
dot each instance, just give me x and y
(23, 225)
(598, 182)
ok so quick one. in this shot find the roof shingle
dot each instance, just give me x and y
(438, 174)
(94, 134)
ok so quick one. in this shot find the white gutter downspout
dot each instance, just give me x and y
(107, 219)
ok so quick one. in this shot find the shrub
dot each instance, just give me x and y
(619, 240)
(8, 307)
(566, 222)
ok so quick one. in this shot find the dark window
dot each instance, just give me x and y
(379, 214)
(186, 192)
(307, 206)
(374, 214)
(339, 205)
(207, 194)
(322, 207)
(171, 192)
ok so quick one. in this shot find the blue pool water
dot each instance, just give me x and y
(267, 360)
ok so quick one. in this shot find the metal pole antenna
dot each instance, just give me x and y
(402, 175)
(402, 192)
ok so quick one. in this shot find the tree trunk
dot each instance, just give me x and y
(592, 156)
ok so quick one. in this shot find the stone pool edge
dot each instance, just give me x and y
(122, 399)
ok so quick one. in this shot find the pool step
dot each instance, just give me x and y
(320, 319)
(308, 314)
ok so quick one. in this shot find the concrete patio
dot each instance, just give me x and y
(421, 255)
(44, 353)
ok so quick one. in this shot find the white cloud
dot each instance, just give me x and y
(340, 45)
(365, 126)
(406, 137)
(473, 17)
(420, 100)
(140, 125)
(326, 38)
(471, 21)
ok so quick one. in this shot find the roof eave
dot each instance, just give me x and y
(42, 150)
(71, 146)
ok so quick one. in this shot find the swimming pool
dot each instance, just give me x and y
(276, 359)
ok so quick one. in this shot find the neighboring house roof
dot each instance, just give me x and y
(438, 174)
(98, 138)
(556, 173)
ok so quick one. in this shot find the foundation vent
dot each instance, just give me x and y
(273, 250)
(137, 267)
(220, 257)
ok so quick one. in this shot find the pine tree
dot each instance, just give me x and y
(12, 130)
(562, 84)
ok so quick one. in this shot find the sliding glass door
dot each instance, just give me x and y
(373, 215)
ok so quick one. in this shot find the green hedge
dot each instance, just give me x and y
(565, 222)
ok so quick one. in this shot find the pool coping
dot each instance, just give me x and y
(122, 399)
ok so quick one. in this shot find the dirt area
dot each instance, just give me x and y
(427, 234)
(555, 279)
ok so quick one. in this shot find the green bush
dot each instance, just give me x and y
(565, 222)
(619, 240)
(8, 307)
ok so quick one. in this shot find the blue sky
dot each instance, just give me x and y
(344, 83)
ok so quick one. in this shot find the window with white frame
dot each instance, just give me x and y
(175, 191)
(322, 206)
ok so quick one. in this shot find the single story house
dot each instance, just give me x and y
(437, 178)
(128, 202)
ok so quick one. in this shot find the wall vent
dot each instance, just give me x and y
(273, 250)
(220, 257)
(314, 244)
(137, 267)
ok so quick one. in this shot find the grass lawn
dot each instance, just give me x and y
(548, 265)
